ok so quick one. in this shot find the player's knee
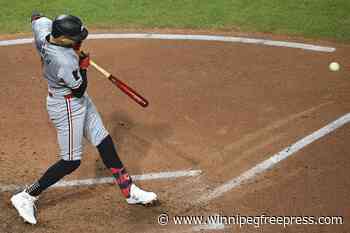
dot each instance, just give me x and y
(99, 136)
(70, 165)
(76, 154)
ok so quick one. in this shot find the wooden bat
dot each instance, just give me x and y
(121, 85)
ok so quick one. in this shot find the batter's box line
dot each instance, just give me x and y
(110, 180)
(273, 160)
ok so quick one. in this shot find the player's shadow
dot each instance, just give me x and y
(133, 140)
(51, 200)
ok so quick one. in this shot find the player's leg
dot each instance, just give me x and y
(68, 120)
(68, 117)
(24, 201)
(99, 136)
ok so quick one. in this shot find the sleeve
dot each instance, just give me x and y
(79, 92)
(41, 28)
(70, 74)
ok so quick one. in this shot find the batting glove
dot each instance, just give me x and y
(84, 60)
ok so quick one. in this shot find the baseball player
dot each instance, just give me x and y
(72, 112)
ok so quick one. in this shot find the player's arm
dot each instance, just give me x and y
(41, 27)
(84, 62)
(79, 92)
(75, 77)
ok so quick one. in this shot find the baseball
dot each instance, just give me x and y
(334, 66)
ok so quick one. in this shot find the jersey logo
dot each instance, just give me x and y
(75, 75)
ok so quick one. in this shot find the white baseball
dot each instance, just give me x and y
(334, 66)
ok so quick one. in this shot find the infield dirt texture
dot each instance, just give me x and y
(219, 107)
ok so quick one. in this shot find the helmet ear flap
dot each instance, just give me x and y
(55, 31)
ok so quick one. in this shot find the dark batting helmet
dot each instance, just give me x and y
(69, 26)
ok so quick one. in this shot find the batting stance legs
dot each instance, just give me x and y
(80, 119)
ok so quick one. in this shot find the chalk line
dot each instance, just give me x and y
(106, 180)
(231, 39)
(269, 163)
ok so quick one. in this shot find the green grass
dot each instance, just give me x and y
(309, 18)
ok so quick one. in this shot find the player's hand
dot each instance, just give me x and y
(36, 15)
(84, 60)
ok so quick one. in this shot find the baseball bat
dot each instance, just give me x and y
(121, 85)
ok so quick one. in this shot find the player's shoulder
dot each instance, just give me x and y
(67, 56)
(69, 53)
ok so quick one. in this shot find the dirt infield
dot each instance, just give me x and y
(216, 106)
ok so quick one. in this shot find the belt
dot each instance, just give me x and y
(69, 96)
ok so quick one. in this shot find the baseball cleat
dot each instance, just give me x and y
(139, 196)
(25, 205)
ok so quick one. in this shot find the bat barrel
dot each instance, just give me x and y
(129, 91)
(121, 85)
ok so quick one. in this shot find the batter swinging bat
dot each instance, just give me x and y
(121, 85)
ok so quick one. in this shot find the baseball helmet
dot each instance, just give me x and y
(69, 26)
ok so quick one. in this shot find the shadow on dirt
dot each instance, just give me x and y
(133, 141)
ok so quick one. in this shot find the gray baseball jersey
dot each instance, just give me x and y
(74, 118)
(61, 64)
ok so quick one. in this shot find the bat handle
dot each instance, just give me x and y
(100, 69)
